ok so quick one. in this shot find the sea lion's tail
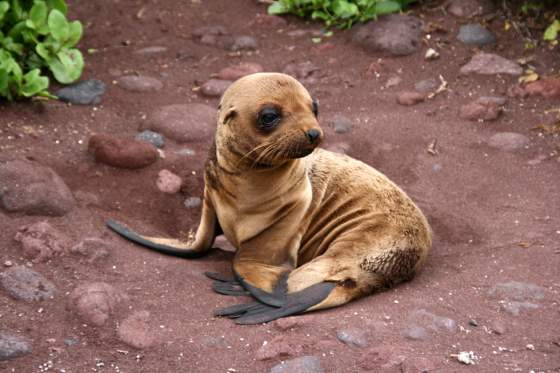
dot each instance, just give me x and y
(168, 246)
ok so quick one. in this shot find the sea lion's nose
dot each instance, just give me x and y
(313, 135)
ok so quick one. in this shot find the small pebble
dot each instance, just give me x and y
(8, 263)
(192, 202)
(473, 322)
(156, 139)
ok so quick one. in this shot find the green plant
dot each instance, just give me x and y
(341, 13)
(35, 34)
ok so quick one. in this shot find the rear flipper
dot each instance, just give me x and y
(207, 231)
(295, 303)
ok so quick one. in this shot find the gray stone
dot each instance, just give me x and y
(33, 189)
(431, 321)
(184, 122)
(215, 87)
(514, 307)
(475, 34)
(25, 284)
(156, 139)
(151, 50)
(86, 92)
(508, 141)
(490, 64)
(341, 124)
(352, 337)
(517, 291)
(244, 43)
(415, 332)
(395, 35)
(139, 83)
(12, 346)
(427, 85)
(304, 364)
(192, 202)
(215, 36)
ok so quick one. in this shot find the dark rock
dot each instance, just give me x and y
(168, 182)
(473, 322)
(508, 141)
(140, 83)
(94, 302)
(192, 202)
(12, 346)
(282, 346)
(395, 35)
(25, 284)
(475, 34)
(151, 50)
(302, 71)
(341, 124)
(547, 87)
(123, 153)
(235, 72)
(353, 337)
(92, 248)
(136, 330)
(244, 43)
(184, 122)
(484, 108)
(40, 241)
(33, 189)
(470, 8)
(215, 87)
(427, 86)
(86, 92)
(154, 138)
(409, 98)
(489, 64)
(304, 364)
(216, 36)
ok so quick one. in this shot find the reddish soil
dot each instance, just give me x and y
(495, 214)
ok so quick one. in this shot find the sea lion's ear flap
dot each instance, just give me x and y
(227, 115)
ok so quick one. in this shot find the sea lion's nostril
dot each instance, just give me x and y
(313, 135)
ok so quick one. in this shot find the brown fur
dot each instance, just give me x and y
(323, 217)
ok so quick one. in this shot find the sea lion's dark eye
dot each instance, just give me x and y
(315, 107)
(269, 117)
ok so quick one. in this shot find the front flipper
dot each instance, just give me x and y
(298, 302)
(226, 285)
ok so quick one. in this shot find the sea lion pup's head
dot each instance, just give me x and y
(265, 120)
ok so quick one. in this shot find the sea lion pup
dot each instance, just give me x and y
(313, 229)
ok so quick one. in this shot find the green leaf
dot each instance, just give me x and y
(59, 5)
(319, 14)
(58, 25)
(74, 34)
(9, 45)
(551, 32)
(44, 51)
(387, 7)
(5, 85)
(33, 83)
(344, 9)
(4, 7)
(277, 7)
(16, 31)
(38, 14)
(67, 66)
